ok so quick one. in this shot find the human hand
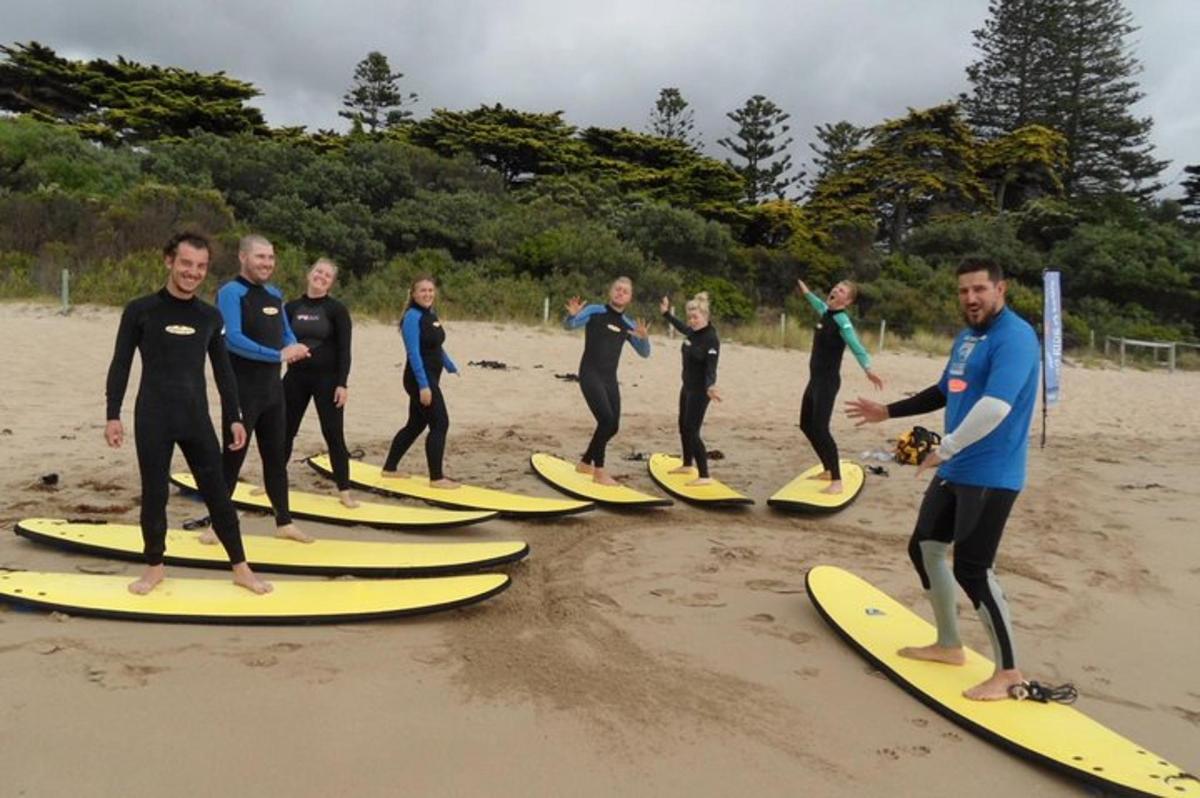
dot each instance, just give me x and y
(426, 397)
(340, 396)
(665, 304)
(803, 288)
(238, 431)
(293, 353)
(866, 411)
(114, 433)
(714, 394)
(876, 380)
(641, 330)
(931, 461)
(574, 305)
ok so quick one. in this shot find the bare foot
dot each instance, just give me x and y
(601, 477)
(834, 488)
(584, 468)
(935, 653)
(259, 491)
(292, 532)
(244, 577)
(149, 580)
(394, 474)
(347, 500)
(996, 687)
(823, 475)
(207, 537)
(699, 481)
(444, 484)
(683, 470)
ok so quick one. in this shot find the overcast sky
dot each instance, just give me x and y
(602, 62)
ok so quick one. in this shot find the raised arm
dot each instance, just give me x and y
(676, 323)
(846, 328)
(579, 319)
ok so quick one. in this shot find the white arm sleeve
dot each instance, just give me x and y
(984, 417)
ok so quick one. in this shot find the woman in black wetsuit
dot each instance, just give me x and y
(833, 334)
(607, 330)
(321, 323)
(423, 338)
(701, 348)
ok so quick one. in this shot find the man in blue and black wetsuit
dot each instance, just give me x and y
(989, 389)
(175, 331)
(260, 339)
(607, 328)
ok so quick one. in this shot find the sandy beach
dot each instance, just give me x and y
(669, 652)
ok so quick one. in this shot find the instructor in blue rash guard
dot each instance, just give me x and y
(174, 331)
(423, 336)
(321, 323)
(834, 333)
(607, 328)
(989, 389)
(260, 339)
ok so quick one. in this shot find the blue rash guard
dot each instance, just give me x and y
(423, 338)
(607, 330)
(999, 360)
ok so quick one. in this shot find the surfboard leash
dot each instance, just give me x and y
(1044, 693)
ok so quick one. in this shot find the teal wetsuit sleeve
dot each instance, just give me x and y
(640, 345)
(410, 330)
(229, 301)
(846, 328)
(581, 318)
(817, 303)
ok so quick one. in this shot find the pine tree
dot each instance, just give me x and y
(1065, 64)
(375, 100)
(760, 138)
(837, 141)
(673, 118)
(1191, 193)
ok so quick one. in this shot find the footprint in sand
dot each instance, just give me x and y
(762, 617)
(122, 677)
(772, 585)
(260, 660)
(701, 600)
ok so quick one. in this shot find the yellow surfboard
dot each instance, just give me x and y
(716, 494)
(804, 495)
(329, 509)
(273, 555)
(1053, 734)
(220, 601)
(369, 477)
(563, 476)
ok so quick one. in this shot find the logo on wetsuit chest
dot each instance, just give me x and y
(308, 317)
(270, 311)
(613, 327)
(436, 324)
(180, 329)
(686, 342)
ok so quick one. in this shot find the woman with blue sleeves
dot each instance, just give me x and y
(833, 334)
(423, 338)
(606, 329)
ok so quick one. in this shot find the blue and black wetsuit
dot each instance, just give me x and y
(174, 336)
(323, 325)
(700, 349)
(256, 330)
(992, 371)
(423, 338)
(833, 334)
(605, 332)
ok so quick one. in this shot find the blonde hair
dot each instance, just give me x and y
(853, 288)
(420, 278)
(324, 261)
(699, 302)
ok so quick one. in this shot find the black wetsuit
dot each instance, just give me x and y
(606, 331)
(834, 331)
(174, 336)
(423, 338)
(257, 329)
(700, 351)
(323, 325)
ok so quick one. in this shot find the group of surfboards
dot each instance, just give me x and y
(988, 390)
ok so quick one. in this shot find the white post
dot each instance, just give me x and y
(1122, 354)
(1171, 359)
(783, 329)
(671, 327)
(546, 310)
(1092, 341)
(882, 333)
(66, 292)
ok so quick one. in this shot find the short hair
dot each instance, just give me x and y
(621, 279)
(852, 287)
(249, 242)
(968, 265)
(189, 237)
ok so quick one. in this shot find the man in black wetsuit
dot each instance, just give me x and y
(260, 340)
(174, 331)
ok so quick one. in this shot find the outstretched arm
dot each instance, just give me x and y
(676, 323)
(846, 328)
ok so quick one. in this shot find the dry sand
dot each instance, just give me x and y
(666, 653)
